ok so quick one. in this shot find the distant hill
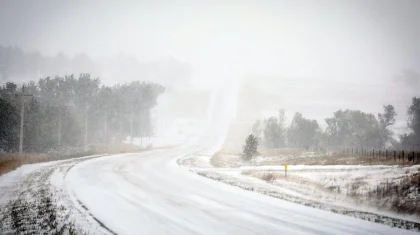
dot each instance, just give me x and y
(19, 66)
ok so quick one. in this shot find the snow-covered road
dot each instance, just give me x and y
(148, 193)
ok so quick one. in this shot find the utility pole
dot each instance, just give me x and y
(59, 127)
(131, 127)
(141, 128)
(86, 129)
(106, 127)
(22, 114)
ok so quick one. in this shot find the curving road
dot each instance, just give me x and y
(148, 193)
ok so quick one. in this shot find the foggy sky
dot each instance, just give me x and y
(366, 42)
(298, 38)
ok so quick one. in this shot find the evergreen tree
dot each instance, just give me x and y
(250, 148)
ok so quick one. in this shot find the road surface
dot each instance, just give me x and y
(149, 193)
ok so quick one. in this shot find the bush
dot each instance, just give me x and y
(270, 177)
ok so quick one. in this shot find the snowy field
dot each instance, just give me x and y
(34, 199)
(362, 191)
(149, 193)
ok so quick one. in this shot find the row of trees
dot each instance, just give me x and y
(274, 133)
(348, 128)
(353, 128)
(18, 64)
(67, 112)
(413, 122)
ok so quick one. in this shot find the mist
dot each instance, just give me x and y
(345, 43)
(136, 102)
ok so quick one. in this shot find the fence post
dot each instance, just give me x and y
(395, 156)
(402, 155)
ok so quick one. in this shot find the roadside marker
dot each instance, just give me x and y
(285, 170)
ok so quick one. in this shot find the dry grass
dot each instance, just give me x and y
(403, 195)
(299, 156)
(282, 151)
(220, 159)
(11, 161)
(269, 177)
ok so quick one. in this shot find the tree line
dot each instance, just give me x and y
(73, 112)
(346, 128)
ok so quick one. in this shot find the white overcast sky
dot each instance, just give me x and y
(353, 39)
(358, 43)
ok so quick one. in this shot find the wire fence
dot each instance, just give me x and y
(384, 154)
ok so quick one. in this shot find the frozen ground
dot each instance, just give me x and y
(149, 193)
(34, 199)
(344, 189)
